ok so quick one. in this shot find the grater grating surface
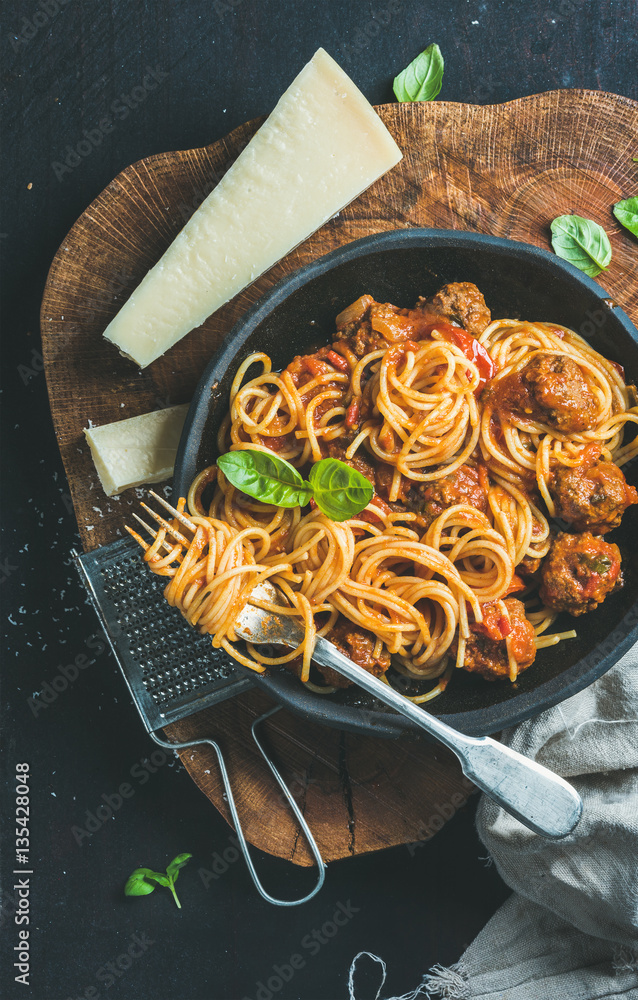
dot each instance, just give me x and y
(172, 671)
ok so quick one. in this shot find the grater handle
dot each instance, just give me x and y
(233, 811)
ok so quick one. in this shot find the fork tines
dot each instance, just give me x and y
(180, 517)
(169, 528)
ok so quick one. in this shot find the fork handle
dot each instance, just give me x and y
(540, 799)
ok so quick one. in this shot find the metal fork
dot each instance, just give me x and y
(540, 799)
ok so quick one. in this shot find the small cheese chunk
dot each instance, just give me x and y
(321, 147)
(138, 450)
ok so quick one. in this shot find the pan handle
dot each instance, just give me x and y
(233, 810)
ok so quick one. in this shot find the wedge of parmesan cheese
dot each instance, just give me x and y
(137, 450)
(321, 147)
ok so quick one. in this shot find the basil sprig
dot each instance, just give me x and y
(627, 214)
(338, 490)
(421, 80)
(582, 242)
(144, 880)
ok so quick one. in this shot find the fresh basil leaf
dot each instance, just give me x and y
(160, 879)
(138, 888)
(172, 870)
(142, 881)
(627, 214)
(148, 873)
(266, 477)
(339, 491)
(422, 79)
(180, 861)
(136, 884)
(582, 242)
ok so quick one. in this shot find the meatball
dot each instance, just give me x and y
(591, 498)
(461, 303)
(358, 644)
(360, 338)
(466, 485)
(579, 572)
(550, 388)
(486, 647)
(561, 395)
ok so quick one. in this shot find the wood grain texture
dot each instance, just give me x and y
(507, 170)
(357, 793)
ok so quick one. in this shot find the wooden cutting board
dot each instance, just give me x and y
(507, 170)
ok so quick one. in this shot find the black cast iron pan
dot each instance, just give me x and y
(518, 281)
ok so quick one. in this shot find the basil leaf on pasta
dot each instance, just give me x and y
(582, 242)
(627, 214)
(339, 491)
(266, 477)
(421, 80)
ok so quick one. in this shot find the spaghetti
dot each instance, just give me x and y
(463, 425)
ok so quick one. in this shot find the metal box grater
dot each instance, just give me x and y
(171, 670)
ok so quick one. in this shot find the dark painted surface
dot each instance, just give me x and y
(190, 72)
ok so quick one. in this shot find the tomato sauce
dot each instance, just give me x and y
(472, 349)
(338, 361)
